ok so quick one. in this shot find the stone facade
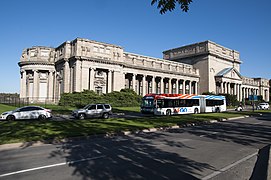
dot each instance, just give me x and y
(84, 64)
(219, 70)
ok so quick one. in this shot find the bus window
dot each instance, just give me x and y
(160, 103)
(192, 102)
(212, 102)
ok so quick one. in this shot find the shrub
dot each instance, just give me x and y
(124, 98)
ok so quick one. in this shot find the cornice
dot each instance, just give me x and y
(23, 63)
(207, 53)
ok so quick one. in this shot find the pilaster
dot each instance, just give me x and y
(66, 77)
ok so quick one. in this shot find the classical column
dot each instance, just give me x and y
(183, 87)
(189, 87)
(241, 92)
(23, 84)
(237, 92)
(91, 79)
(50, 86)
(36, 85)
(78, 76)
(109, 81)
(221, 87)
(134, 82)
(144, 85)
(234, 89)
(153, 84)
(229, 88)
(196, 87)
(177, 86)
(169, 85)
(162, 86)
(246, 91)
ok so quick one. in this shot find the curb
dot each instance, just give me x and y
(125, 133)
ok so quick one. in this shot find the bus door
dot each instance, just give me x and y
(202, 104)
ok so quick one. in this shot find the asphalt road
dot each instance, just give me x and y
(225, 150)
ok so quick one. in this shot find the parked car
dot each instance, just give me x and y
(27, 112)
(263, 106)
(93, 110)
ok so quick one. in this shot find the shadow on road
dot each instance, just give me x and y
(127, 158)
(261, 167)
(137, 158)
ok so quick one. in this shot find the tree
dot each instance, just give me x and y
(169, 5)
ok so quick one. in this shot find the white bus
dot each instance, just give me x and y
(170, 104)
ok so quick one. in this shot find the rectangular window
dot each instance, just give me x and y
(32, 53)
(107, 51)
(95, 49)
(44, 53)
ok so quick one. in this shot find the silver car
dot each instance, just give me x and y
(27, 112)
(93, 110)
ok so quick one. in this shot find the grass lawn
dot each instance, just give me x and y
(4, 108)
(125, 109)
(25, 131)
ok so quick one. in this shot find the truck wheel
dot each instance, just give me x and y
(81, 116)
(105, 116)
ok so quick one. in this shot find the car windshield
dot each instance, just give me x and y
(17, 110)
(87, 106)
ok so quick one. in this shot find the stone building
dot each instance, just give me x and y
(219, 70)
(84, 64)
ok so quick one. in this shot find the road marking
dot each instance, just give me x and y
(208, 134)
(258, 123)
(49, 166)
(215, 173)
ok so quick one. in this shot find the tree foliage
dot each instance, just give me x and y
(169, 5)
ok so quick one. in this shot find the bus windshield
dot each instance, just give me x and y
(147, 103)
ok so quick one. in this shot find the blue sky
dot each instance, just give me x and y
(243, 25)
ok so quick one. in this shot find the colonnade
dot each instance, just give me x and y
(237, 89)
(37, 85)
(144, 84)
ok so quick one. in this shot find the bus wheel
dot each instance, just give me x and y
(217, 110)
(196, 111)
(168, 112)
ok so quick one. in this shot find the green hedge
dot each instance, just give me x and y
(124, 98)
